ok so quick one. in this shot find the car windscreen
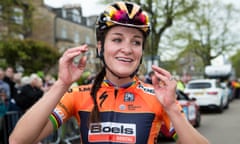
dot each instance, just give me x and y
(200, 85)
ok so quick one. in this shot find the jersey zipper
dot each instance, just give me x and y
(115, 92)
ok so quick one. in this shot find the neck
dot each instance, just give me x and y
(116, 81)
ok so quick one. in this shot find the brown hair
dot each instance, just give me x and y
(95, 116)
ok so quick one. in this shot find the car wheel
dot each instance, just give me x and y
(198, 120)
(227, 105)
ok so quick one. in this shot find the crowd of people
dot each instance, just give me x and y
(19, 92)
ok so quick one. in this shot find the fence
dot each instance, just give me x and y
(65, 135)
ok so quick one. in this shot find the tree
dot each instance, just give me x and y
(207, 30)
(15, 18)
(235, 60)
(31, 55)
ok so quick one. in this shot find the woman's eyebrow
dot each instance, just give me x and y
(121, 34)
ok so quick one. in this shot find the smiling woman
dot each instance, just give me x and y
(117, 107)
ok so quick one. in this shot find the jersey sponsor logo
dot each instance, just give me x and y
(84, 89)
(148, 90)
(112, 132)
(122, 107)
(133, 107)
(103, 98)
(128, 97)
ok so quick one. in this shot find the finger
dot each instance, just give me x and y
(72, 53)
(82, 62)
(76, 50)
(155, 82)
(159, 80)
(161, 71)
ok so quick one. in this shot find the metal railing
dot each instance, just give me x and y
(68, 132)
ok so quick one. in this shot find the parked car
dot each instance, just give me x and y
(191, 110)
(208, 94)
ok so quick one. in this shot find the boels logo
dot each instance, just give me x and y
(112, 132)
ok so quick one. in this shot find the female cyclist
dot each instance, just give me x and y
(117, 107)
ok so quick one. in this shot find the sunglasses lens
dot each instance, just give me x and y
(122, 17)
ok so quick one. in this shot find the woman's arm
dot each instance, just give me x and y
(165, 90)
(35, 120)
(34, 124)
(187, 134)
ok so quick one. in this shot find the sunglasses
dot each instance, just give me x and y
(122, 18)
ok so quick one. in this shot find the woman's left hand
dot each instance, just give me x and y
(164, 86)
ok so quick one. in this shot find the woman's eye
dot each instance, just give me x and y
(137, 43)
(117, 40)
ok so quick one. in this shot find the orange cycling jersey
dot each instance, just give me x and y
(128, 115)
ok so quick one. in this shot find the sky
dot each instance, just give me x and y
(93, 7)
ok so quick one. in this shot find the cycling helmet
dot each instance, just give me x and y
(122, 13)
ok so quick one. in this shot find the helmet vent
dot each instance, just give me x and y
(129, 7)
(116, 6)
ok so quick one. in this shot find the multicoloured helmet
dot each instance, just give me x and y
(122, 13)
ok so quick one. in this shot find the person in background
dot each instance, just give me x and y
(4, 87)
(4, 96)
(149, 77)
(29, 93)
(12, 103)
(8, 78)
(180, 83)
(117, 107)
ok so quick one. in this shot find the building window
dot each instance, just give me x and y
(88, 22)
(87, 39)
(64, 33)
(76, 38)
(64, 13)
(76, 16)
(17, 15)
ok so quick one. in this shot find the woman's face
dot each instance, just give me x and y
(123, 50)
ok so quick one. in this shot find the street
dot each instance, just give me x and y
(221, 128)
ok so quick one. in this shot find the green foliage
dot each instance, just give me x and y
(235, 60)
(32, 55)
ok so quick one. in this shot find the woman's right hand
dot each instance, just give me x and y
(68, 71)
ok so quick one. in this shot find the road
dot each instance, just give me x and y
(221, 128)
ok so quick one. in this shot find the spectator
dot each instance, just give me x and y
(149, 77)
(8, 78)
(29, 93)
(4, 87)
(4, 94)
(48, 81)
(25, 80)
(12, 103)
